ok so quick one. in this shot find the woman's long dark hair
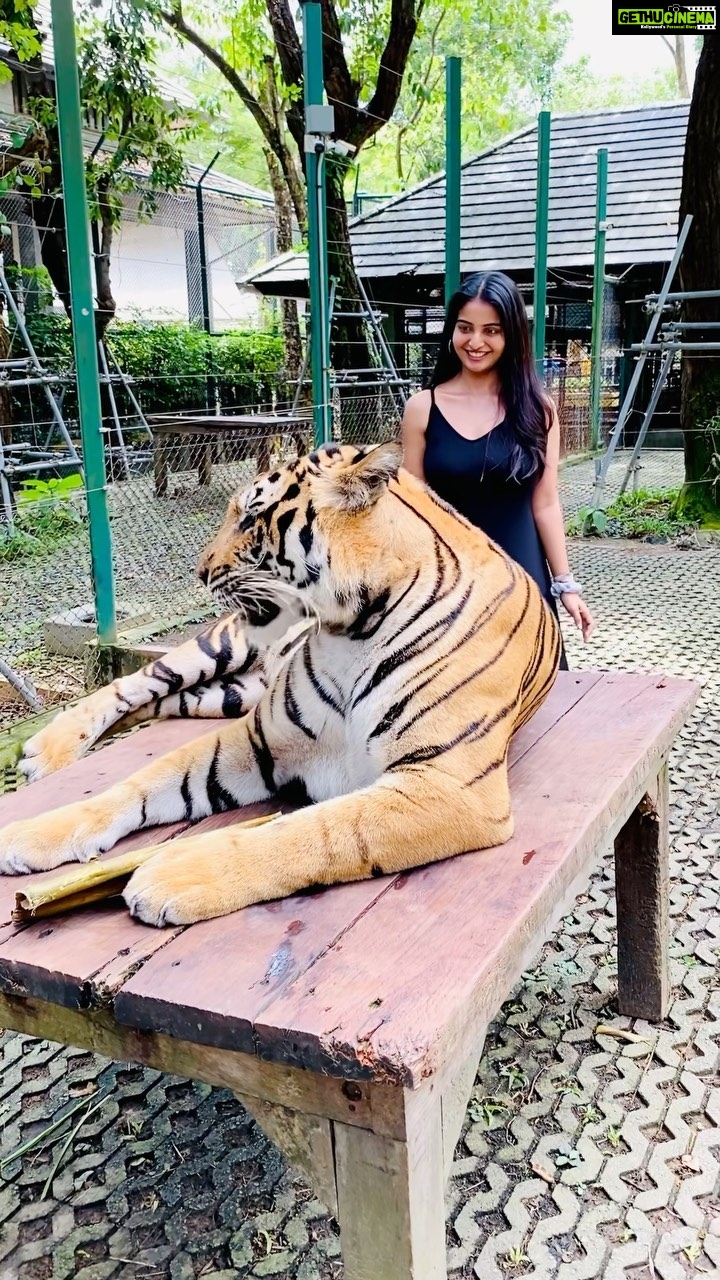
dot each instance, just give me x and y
(526, 408)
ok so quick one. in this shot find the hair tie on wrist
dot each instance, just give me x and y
(564, 584)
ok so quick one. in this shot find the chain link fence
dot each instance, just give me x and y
(187, 338)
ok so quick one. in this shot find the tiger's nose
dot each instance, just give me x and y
(204, 565)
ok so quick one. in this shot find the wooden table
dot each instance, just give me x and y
(203, 433)
(350, 1022)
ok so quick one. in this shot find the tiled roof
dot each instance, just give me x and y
(645, 154)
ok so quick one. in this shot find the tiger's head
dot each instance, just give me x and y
(319, 535)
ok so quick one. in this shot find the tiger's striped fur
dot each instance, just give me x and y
(390, 650)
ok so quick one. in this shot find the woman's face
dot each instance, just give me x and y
(478, 338)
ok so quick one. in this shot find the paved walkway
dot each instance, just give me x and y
(172, 1181)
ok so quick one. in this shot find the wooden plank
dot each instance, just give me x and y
(642, 879)
(83, 778)
(391, 1200)
(57, 959)
(366, 1106)
(83, 957)
(421, 975)
(567, 692)
(215, 981)
(305, 1141)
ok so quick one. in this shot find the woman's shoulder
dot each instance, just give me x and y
(549, 406)
(421, 400)
(417, 409)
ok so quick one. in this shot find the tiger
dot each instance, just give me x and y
(378, 654)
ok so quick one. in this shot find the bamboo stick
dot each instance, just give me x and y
(92, 882)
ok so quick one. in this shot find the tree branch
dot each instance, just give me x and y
(290, 170)
(341, 89)
(34, 146)
(174, 19)
(404, 18)
(287, 42)
(272, 134)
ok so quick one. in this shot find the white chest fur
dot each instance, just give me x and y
(333, 752)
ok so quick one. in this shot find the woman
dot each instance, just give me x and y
(486, 437)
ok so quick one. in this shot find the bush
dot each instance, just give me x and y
(169, 364)
(48, 511)
(645, 514)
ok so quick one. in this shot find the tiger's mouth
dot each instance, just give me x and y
(259, 596)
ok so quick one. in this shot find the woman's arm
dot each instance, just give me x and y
(412, 433)
(548, 514)
(546, 505)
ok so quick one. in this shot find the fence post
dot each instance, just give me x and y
(453, 96)
(83, 315)
(210, 386)
(313, 91)
(598, 294)
(542, 201)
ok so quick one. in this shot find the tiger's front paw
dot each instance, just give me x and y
(175, 888)
(39, 844)
(57, 745)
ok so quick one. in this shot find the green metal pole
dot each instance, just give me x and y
(83, 317)
(598, 294)
(453, 97)
(313, 89)
(542, 200)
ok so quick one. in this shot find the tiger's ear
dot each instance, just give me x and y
(358, 486)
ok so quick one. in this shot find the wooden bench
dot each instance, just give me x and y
(202, 433)
(350, 1022)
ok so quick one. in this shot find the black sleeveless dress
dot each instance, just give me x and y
(474, 476)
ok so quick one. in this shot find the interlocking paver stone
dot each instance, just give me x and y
(173, 1181)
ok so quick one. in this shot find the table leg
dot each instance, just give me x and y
(205, 462)
(160, 466)
(642, 878)
(391, 1203)
(386, 1192)
(263, 454)
(454, 1099)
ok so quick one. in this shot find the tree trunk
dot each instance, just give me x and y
(681, 66)
(700, 270)
(349, 342)
(49, 216)
(283, 236)
(106, 304)
(284, 204)
(104, 314)
(359, 410)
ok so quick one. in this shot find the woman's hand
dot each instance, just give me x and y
(579, 613)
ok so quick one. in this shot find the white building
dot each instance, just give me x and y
(156, 263)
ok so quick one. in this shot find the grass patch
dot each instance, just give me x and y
(647, 514)
(48, 512)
